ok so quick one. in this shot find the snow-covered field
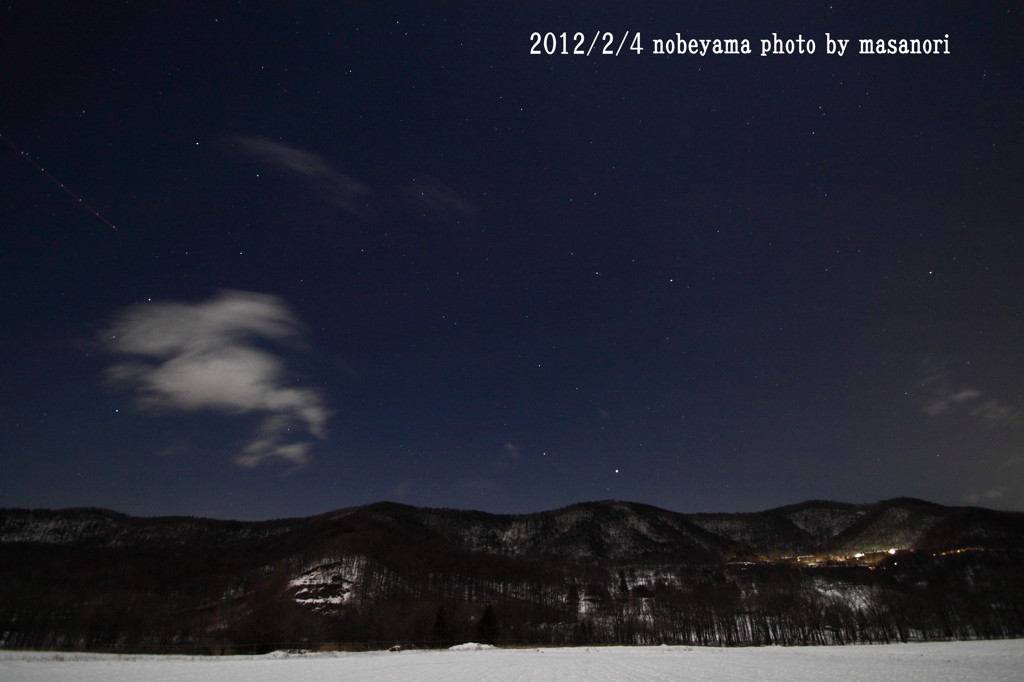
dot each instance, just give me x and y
(953, 661)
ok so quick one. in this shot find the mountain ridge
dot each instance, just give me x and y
(822, 526)
(592, 572)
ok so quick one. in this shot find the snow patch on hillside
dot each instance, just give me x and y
(328, 583)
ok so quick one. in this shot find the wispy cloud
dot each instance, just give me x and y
(437, 198)
(509, 458)
(426, 195)
(986, 496)
(334, 185)
(188, 357)
(994, 412)
(942, 397)
(945, 400)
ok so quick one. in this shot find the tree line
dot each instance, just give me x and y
(206, 601)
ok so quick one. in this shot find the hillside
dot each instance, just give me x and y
(598, 572)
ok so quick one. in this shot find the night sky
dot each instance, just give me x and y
(379, 251)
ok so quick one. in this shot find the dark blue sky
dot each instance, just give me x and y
(379, 251)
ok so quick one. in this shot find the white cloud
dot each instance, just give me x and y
(187, 357)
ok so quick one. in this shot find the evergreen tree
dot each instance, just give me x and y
(487, 629)
(440, 631)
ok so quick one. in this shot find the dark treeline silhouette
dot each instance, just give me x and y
(389, 575)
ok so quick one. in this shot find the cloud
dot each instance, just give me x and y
(994, 412)
(337, 187)
(987, 496)
(940, 398)
(426, 195)
(969, 401)
(509, 458)
(945, 400)
(438, 199)
(401, 491)
(191, 357)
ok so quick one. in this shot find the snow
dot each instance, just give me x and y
(328, 583)
(991, 661)
(471, 646)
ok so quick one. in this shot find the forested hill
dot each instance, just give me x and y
(816, 572)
